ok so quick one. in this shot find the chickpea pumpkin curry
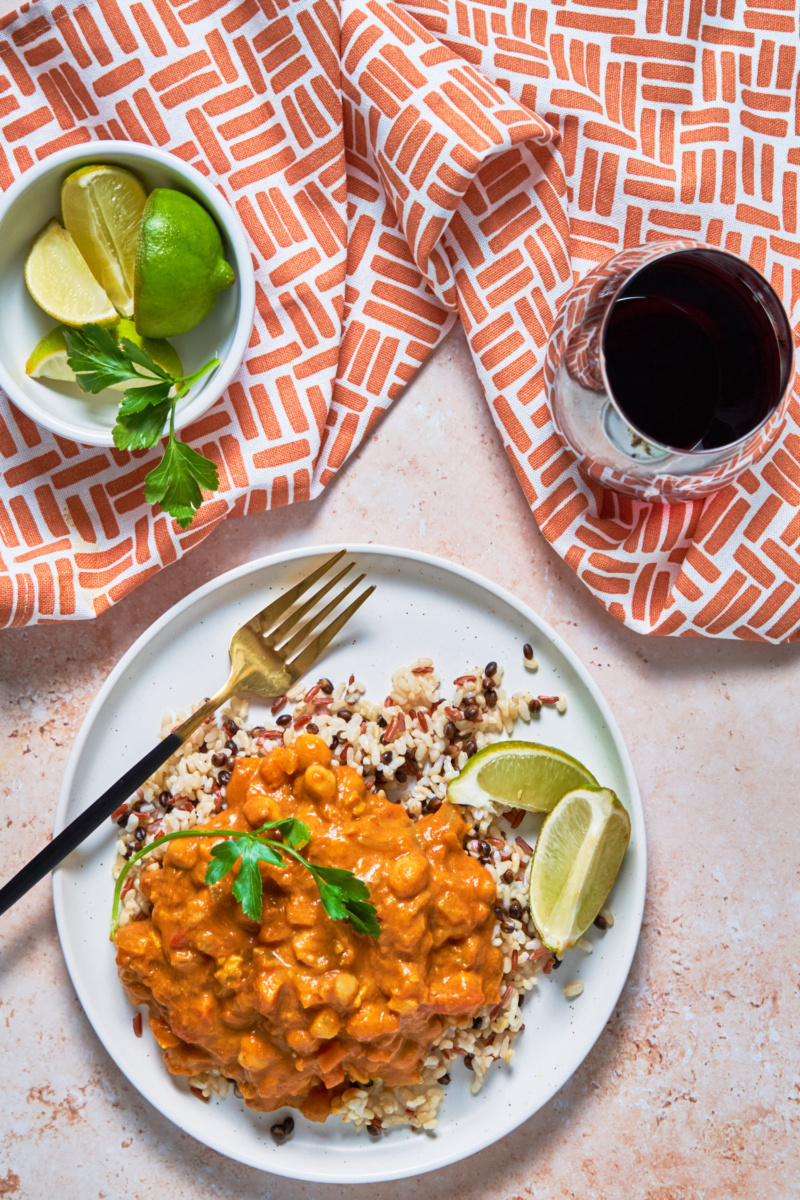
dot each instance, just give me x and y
(296, 1006)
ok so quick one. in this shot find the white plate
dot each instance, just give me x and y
(422, 606)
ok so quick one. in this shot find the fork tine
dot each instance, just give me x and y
(283, 630)
(314, 622)
(264, 619)
(307, 657)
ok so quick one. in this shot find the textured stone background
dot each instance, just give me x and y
(690, 1093)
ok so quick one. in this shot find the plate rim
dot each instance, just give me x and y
(220, 581)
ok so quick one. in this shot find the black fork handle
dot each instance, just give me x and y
(79, 829)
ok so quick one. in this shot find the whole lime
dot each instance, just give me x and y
(180, 265)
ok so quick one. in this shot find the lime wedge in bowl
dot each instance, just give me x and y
(61, 283)
(48, 359)
(102, 208)
(578, 854)
(519, 775)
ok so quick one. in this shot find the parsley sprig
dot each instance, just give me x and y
(99, 362)
(344, 896)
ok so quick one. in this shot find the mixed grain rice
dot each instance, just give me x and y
(408, 747)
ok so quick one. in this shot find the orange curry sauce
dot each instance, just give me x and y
(295, 1007)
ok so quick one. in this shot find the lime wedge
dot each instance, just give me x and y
(521, 775)
(577, 856)
(48, 358)
(61, 283)
(159, 350)
(102, 208)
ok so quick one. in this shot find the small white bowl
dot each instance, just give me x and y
(225, 332)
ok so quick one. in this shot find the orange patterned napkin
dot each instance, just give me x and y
(395, 165)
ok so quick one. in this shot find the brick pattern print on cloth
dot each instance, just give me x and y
(397, 166)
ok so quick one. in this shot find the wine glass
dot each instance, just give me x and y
(668, 370)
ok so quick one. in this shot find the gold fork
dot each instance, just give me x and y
(268, 654)
(266, 658)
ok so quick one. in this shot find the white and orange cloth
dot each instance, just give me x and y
(396, 167)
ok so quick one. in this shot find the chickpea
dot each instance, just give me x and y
(326, 1024)
(182, 853)
(260, 807)
(408, 875)
(319, 784)
(278, 765)
(301, 1041)
(372, 1021)
(254, 1053)
(311, 749)
(345, 987)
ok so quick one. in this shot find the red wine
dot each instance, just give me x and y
(692, 357)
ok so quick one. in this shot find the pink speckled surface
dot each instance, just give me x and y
(692, 1092)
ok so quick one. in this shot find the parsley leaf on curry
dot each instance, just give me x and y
(343, 895)
(345, 898)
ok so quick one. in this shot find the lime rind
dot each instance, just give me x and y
(576, 860)
(519, 774)
(180, 266)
